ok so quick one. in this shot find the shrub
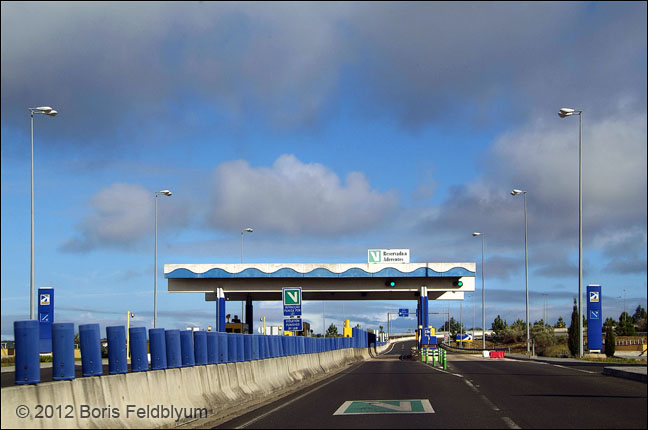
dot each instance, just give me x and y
(610, 342)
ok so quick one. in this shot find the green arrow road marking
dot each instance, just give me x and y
(363, 407)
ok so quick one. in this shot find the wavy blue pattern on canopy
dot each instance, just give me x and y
(285, 272)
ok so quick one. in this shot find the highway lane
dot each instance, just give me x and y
(385, 378)
(473, 393)
(544, 395)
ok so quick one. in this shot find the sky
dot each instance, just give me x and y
(330, 129)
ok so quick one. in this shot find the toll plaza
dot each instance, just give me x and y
(322, 282)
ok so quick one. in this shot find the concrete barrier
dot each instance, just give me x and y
(162, 398)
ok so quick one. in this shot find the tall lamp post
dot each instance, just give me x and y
(563, 113)
(157, 193)
(245, 230)
(526, 266)
(44, 110)
(475, 234)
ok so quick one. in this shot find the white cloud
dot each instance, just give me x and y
(295, 198)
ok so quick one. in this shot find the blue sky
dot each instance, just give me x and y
(330, 128)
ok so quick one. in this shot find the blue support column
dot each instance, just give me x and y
(424, 308)
(221, 314)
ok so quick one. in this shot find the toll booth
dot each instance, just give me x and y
(237, 328)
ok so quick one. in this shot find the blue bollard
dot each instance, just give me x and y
(173, 349)
(91, 364)
(280, 347)
(247, 341)
(271, 348)
(187, 348)
(232, 348)
(157, 340)
(200, 347)
(27, 344)
(302, 345)
(138, 349)
(255, 347)
(117, 362)
(223, 352)
(240, 344)
(263, 347)
(212, 347)
(275, 346)
(285, 346)
(62, 351)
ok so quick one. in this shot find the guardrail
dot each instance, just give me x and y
(168, 349)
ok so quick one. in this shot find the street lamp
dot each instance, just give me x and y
(526, 266)
(129, 315)
(44, 110)
(245, 230)
(157, 193)
(563, 113)
(475, 234)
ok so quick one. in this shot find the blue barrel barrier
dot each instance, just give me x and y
(91, 364)
(247, 341)
(275, 345)
(212, 347)
(62, 351)
(255, 347)
(187, 348)
(232, 348)
(223, 352)
(116, 337)
(200, 347)
(240, 344)
(284, 345)
(280, 348)
(138, 349)
(27, 344)
(271, 347)
(173, 350)
(157, 340)
(266, 348)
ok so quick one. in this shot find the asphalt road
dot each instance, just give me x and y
(473, 393)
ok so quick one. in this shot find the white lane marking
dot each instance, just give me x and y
(471, 385)
(483, 397)
(289, 402)
(510, 423)
(569, 368)
(489, 403)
